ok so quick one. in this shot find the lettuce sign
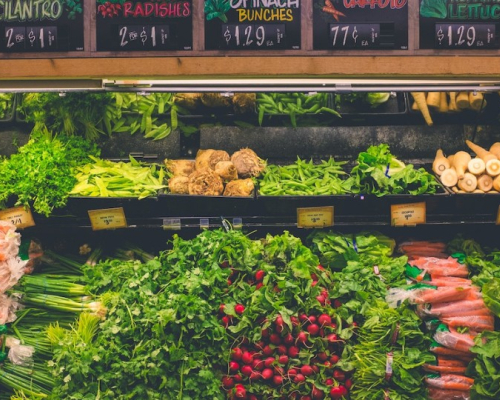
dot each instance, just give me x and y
(41, 25)
(459, 24)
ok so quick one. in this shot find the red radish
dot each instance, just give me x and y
(229, 282)
(267, 351)
(317, 394)
(302, 337)
(240, 392)
(246, 370)
(327, 364)
(292, 372)
(278, 370)
(259, 285)
(321, 299)
(267, 374)
(247, 357)
(332, 338)
(257, 355)
(237, 378)
(333, 325)
(293, 351)
(324, 320)
(236, 353)
(312, 319)
(282, 349)
(295, 321)
(254, 376)
(275, 339)
(260, 345)
(338, 392)
(315, 369)
(339, 375)
(283, 359)
(314, 283)
(234, 366)
(259, 275)
(221, 308)
(305, 398)
(354, 324)
(227, 382)
(337, 303)
(269, 361)
(244, 340)
(239, 309)
(265, 332)
(323, 356)
(225, 321)
(288, 340)
(348, 383)
(302, 317)
(334, 359)
(306, 370)
(276, 289)
(322, 332)
(277, 380)
(320, 267)
(224, 264)
(329, 382)
(258, 365)
(314, 277)
(252, 397)
(313, 329)
(299, 378)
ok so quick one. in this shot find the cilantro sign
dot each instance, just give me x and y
(252, 24)
(459, 24)
(155, 25)
(41, 25)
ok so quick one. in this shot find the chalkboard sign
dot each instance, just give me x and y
(252, 24)
(144, 25)
(41, 26)
(360, 24)
(459, 24)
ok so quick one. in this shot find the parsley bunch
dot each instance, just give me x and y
(41, 172)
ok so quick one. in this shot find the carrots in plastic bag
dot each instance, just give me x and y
(441, 295)
(449, 281)
(444, 369)
(440, 267)
(443, 394)
(445, 351)
(450, 362)
(454, 340)
(477, 323)
(451, 382)
(455, 309)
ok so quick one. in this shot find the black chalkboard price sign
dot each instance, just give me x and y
(252, 24)
(41, 26)
(465, 36)
(460, 24)
(143, 25)
(360, 24)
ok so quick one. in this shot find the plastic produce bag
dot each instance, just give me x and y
(443, 394)
(19, 354)
(440, 266)
(422, 294)
(451, 339)
(450, 382)
(8, 308)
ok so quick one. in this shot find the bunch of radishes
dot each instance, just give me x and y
(296, 357)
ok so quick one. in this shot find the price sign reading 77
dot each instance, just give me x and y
(354, 36)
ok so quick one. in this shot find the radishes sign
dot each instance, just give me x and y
(154, 25)
(41, 25)
(360, 24)
(459, 24)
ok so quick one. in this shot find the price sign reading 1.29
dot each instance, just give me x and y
(254, 36)
(465, 36)
(354, 36)
(144, 37)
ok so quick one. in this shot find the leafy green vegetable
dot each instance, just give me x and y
(485, 368)
(6, 105)
(47, 176)
(217, 9)
(376, 99)
(490, 291)
(379, 172)
(433, 8)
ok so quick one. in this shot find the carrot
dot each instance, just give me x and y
(445, 369)
(333, 11)
(445, 351)
(440, 163)
(478, 323)
(482, 153)
(449, 281)
(419, 98)
(495, 149)
(443, 394)
(329, 4)
(460, 163)
(450, 381)
(433, 99)
(441, 294)
(450, 362)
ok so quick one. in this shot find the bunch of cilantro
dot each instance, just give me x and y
(380, 173)
(40, 174)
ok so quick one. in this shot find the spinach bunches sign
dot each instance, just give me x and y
(252, 24)
(459, 24)
(360, 24)
(41, 25)
(154, 25)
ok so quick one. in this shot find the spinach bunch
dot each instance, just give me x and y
(485, 368)
(41, 172)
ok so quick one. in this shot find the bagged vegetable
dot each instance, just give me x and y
(421, 294)
(450, 381)
(440, 267)
(451, 339)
